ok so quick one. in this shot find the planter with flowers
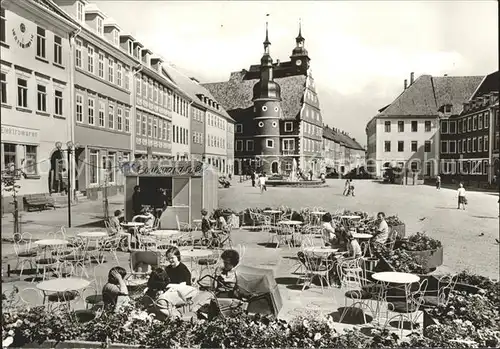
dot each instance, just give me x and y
(396, 226)
(428, 252)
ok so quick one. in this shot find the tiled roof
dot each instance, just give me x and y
(236, 96)
(427, 94)
(490, 83)
(341, 138)
(192, 88)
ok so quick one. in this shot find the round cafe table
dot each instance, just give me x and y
(396, 277)
(132, 224)
(362, 236)
(92, 234)
(321, 250)
(291, 223)
(51, 242)
(365, 245)
(273, 214)
(317, 216)
(196, 254)
(61, 285)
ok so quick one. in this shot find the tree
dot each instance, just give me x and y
(10, 177)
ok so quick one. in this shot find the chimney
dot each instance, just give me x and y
(156, 63)
(406, 84)
(411, 78)
(278, 62)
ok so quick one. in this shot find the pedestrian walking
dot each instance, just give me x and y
(462, 199)
(262, 182)
(346, 188)
(351, 188)
(252, 175)
(438, 182)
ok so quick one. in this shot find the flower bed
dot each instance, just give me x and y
(426, 251)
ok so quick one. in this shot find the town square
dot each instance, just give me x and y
(181, 177)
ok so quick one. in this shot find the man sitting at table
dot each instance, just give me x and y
(381, 235)
(114, 223)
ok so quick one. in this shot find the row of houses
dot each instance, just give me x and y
(445, 126)
(73, 81)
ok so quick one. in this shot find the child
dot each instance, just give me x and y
(115, 292)
(205, 224)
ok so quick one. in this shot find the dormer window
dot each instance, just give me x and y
(116, 37)
(447, 109)
(99, 26)
(130, 48)
(79, 11)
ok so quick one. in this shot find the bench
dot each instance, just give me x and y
(38, 201)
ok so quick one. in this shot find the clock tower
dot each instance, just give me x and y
(267, 113)
(300, 58)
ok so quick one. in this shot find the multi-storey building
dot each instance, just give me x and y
(36, 68)
(405, 133)
(341, 153)
(276, 112)
(468, 139)
(102, 99)
(208, 122)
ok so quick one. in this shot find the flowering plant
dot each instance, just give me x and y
(399, 260)
(393, 221)
(420, 242)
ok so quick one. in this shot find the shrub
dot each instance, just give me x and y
(420, 242)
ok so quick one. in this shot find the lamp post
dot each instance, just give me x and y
(70, 146)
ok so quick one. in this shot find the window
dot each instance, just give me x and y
(150, 92)
(138, 86)
(41, 98)
(93, 166)
(166, 131)
(249, 145)
(110, 167)
(414, 166)
(119, 74)
(387, 146)
(3, 88)
(101, 113)
(239, 145)
(155, 128)
(427, 146)
(468, 145)
(90, 59)
(480, 144)
(401, 126)
(474, 123)
(111, 116)
(100, 65)
(2, 24)
(487, 119)
(22, 93)
(126, 79)
(127, 120)
(144, 125)
(169, 131)
(444, 127)
(79, 108)
(79, 11)
(58, 108)
(150, 128)
(469, 124)
(144, 88)
(30, 165)
(288, 144)
(270, 143)
(155, 97)
(474, 144)
(9, 155)
(444, 147)
(115, 37)
(239, 128)
(414, 126)
(486, 144)
(137, 123)
(452, 127)
(99, 25)
(427, 126)
(78, 54)
(387, 126)
(40, 42)
(57, 49)
(111, 70)
(401, 146)
(480, 122)
(119, 119)
(452, 147)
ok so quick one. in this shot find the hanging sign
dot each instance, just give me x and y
(162, 168)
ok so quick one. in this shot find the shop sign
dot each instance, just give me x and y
(20, 134)
(160, 169)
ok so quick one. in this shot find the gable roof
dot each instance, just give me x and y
(339, 137)
(236, 94)
(192, 89)
(427, 94)
(490, 83)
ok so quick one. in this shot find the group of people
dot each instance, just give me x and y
(171, 286)
(213, 233)
(260, 179)
(158, 202)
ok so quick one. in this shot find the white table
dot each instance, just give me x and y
(290, 223)
(321, 250)
(132, 224)
(62, 285)
(93, 234)
(194, 255)
(51, 242)
(396, 277)
(350, 217)
(362, 236)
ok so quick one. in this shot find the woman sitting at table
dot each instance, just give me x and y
(176, 270)
(115, 292)
(352, 246)
(329, 235)
(147, 218)
(157, 298)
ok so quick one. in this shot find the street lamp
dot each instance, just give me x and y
(70, 146)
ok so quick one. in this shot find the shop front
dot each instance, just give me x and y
(185, 186)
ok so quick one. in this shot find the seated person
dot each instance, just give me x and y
(329, 236)
(147, 218)
(352, 246)
(114, 223)
(340, 234)
(115, 292)
(157, 297)
(381, 235)
(206, 226)
(176, 270)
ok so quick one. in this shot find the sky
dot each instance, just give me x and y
(361, 51)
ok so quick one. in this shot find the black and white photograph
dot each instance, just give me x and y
(250, 174)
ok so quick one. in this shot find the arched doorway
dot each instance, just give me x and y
(274, 167)
(55, 175)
